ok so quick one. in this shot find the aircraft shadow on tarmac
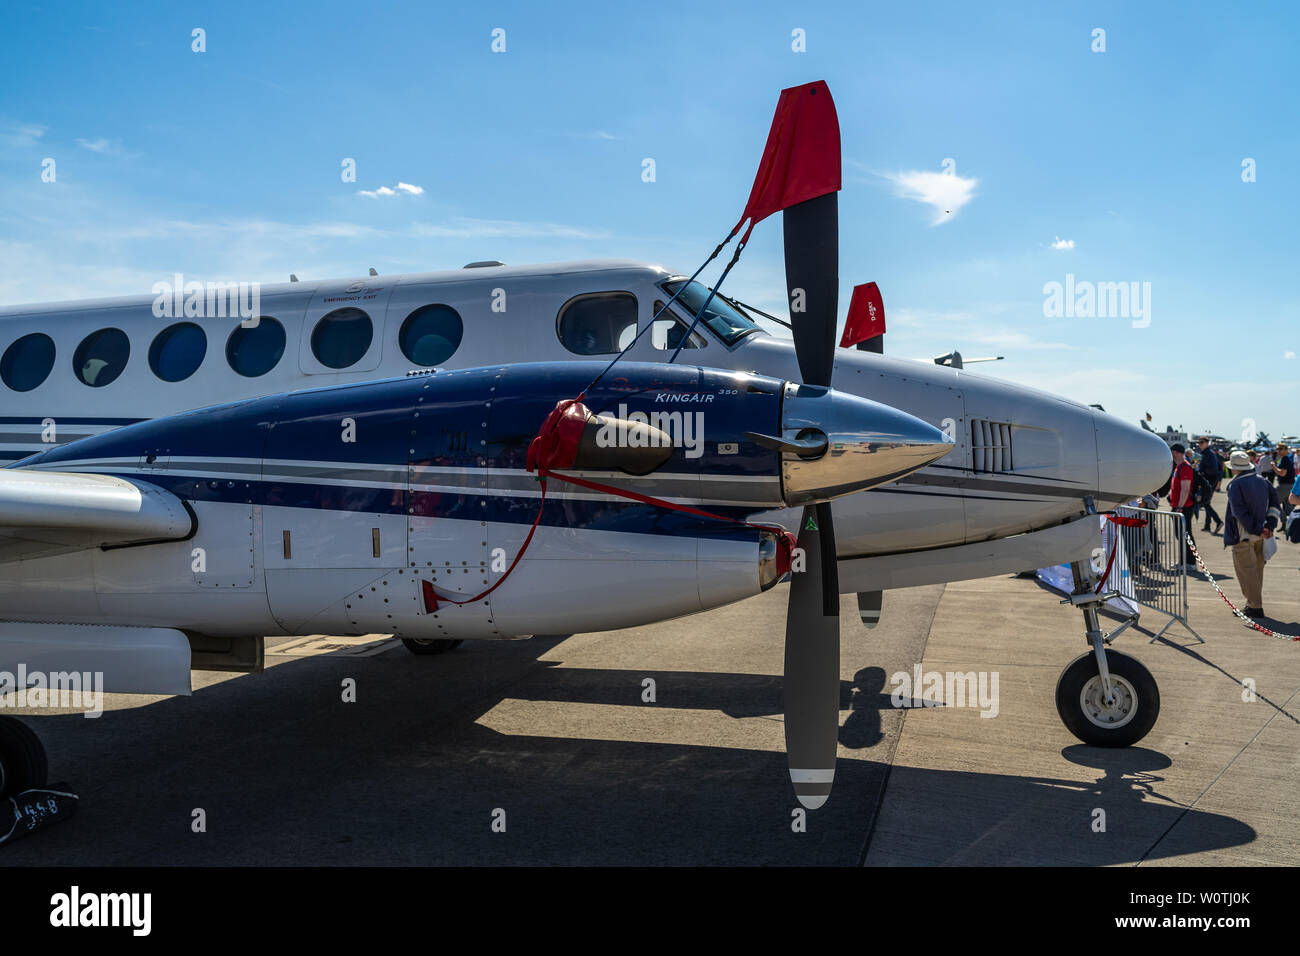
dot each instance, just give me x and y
(286, 773)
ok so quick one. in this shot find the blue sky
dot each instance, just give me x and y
(226, 164)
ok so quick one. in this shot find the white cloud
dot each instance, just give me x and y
(18, 135)
(946, 193)
(1063, 243)
(1289, 355)
(389, 191)
(95, 145)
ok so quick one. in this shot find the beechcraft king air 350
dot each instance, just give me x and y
(366, 457)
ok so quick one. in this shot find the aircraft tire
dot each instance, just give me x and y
(1128, 720)
(429, 646)
(22, 758)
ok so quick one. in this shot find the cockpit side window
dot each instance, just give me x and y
(724, 316)
(670, 329)
(598, 323)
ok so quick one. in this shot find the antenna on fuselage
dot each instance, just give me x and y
(292, 277)
(954, 359)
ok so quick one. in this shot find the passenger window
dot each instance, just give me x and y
(597, 324)
(101, 357)
(177, 351)
(27, 362)
(255, 350)
(669, 330)
(431, 334)
(342, 337)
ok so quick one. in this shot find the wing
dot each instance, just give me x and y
(51, 512)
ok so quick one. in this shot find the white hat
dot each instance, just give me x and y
(1240, 461)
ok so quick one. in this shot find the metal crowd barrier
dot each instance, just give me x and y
(1149, 570)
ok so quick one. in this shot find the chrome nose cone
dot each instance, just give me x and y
(1131, 461)
(834, 443)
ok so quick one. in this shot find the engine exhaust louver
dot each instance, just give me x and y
(990, 445)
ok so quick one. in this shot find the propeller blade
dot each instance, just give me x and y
(812, 662)
(812, 279)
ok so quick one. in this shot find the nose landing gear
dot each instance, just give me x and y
(1105, 698)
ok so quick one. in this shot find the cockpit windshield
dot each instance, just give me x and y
(724, 317)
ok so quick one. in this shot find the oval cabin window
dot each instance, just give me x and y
(27, 362)
(431, 334)
(177, 351)
(101, 357)
(255, 350)
(342, 337)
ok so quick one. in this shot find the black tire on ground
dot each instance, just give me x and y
(22, 758)
(428, 646)
(1078, 700)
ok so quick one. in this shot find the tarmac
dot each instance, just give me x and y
(548, 751)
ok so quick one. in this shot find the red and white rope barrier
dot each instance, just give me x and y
(1215, 584)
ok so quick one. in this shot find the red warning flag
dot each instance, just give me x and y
(801, 160)
(866, 316)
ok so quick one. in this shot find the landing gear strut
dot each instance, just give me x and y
(22, 758)
(1105, 698)
(427, 646)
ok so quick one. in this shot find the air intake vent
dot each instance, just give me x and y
(990, 445)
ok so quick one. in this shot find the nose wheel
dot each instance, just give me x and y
(1119, 718)
(22, 758)
(428, 646)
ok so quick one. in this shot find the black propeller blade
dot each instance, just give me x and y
(812, 664)
(812, 628)
(812, 278)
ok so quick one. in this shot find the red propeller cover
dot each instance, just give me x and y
(556, 444)
(801, 160)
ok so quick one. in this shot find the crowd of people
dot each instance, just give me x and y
(1263, 488)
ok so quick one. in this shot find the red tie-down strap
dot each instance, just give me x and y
(557, 444)
(432, 599)
(1125, 521)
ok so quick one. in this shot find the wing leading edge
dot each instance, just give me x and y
(49, 512)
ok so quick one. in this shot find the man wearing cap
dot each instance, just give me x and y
(1211, 469)
(1253, 514)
